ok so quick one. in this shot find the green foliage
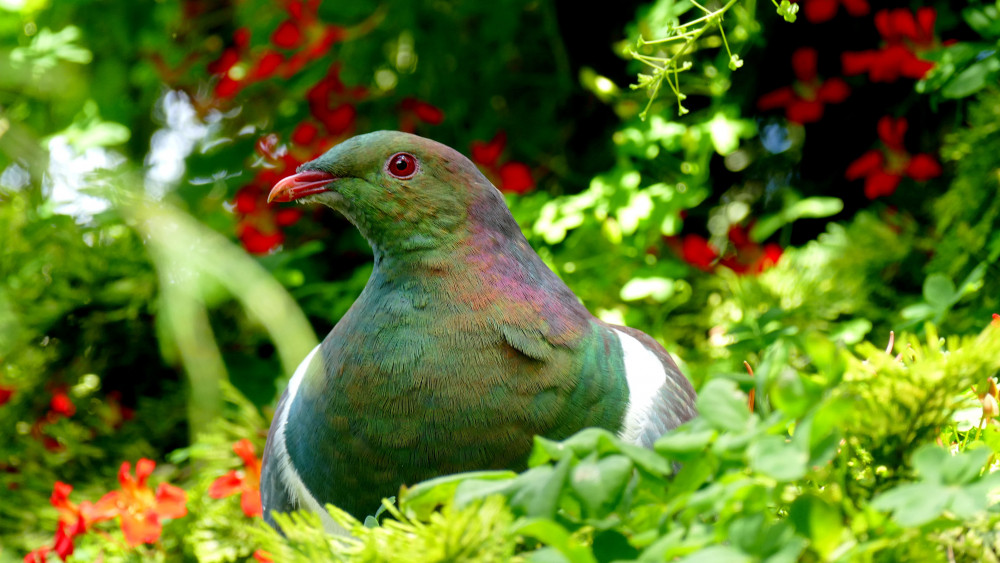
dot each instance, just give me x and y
(481, 531)
(168, 341)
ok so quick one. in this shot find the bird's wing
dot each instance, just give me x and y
(660, 397)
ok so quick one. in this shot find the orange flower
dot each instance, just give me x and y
(246, 481)
(139, 508)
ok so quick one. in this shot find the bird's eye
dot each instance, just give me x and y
(402, 165)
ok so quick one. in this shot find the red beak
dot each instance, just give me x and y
(300, 185)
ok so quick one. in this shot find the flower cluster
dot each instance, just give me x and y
(298, 40)
(905, 35)
(885, 167)
(511, 176)
(140, 511)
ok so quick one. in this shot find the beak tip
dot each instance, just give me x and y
(299, 185)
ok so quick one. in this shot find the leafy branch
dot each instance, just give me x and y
(666, 68)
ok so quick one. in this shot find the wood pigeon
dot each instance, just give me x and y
(462, 346)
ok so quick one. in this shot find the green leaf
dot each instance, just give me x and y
(929, 460)
(612, 545)
(914, 504)
(725, 132)
(795, 209)
(940, 291)
(600, 482)
(778, 458)
(552, 534)
(542, 500)
(723, 405)
(656, 289)
(684, 441)
(984, 19)
(965, 467)
(424, 497)
(694, 474)
(717, 553)
(818, 520)
(647, 459)
(973, 78)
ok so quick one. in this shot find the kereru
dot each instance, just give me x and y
(462, 346)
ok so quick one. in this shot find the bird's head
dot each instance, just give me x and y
(402, 191)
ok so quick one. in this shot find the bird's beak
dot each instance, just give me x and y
(300, 185)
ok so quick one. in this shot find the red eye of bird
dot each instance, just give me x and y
(402, 165)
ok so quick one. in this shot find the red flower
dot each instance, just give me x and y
(750, 257)
(5, 394)
(258, 242)
(996, 320)
(304, 133)
(905, 35)
(332, 34)
(39, 555)
(61, 404)
(259, 224)
(332, 103)
(804, 100)
(486, 153)
(885, 167)
(73, 521)
(340, 119)
(697, 251)
(267, 65)
(245, 481)
(138, 507)
(226, 61)
(287, 35)
(413, 110)
(287, 216)
(227, 87)
(818, 11)
(515, 177)
(263, 556)
(241, 38)
(247, 200)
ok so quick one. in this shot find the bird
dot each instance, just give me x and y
(462, 346)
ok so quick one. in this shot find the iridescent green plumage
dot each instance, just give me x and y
(462, 346)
